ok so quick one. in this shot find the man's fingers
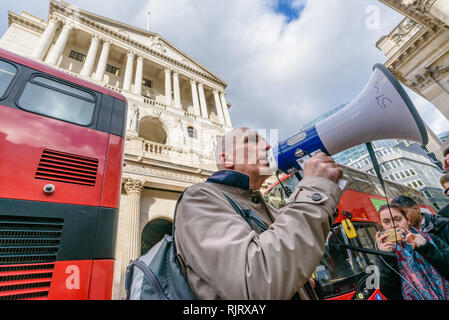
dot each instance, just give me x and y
(324, 159)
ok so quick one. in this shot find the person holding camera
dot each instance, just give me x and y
(420, 268)
(223, 256)
(426, 222)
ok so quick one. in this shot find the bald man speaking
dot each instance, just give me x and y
(222, 256)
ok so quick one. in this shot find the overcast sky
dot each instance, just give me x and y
(286, 62)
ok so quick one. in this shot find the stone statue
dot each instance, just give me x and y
(134, 120)
(158, 45)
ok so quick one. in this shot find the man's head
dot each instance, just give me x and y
(411, 209)
(444, 180)
(244, 150)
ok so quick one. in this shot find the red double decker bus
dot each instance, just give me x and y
(343, 271)
(61, 153)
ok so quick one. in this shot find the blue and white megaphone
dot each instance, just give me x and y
(383, 110)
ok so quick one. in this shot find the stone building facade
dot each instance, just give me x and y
(176, 110)
(418, 49)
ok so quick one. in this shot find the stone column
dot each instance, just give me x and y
(202, 101)
(128, 71)
(196, 103)
(45, 40)
(59, 46)
(134, 190)
(225, 109)
(167, 86)
(176, 92)
(101, 67)
(90, 58)
(218, 107)
(440, 9)
(138, 79)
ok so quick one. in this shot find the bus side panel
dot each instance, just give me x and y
(21, 151)
(346, 296)
(71, 280)
(101, 280)
(360, 206)
(113, 173)
(377, 295)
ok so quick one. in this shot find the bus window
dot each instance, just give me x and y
(54, 99)
(291, 183)
(276, 197)
(336, 273)
(366, 237)
(7, 73)
(360, 182)
(341, 269)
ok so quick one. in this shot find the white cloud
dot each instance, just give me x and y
(279, 76)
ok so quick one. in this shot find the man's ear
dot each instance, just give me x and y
(226, 161)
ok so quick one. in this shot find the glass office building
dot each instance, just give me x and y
(443, 136)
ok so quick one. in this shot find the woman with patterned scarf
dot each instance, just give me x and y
(420, 268)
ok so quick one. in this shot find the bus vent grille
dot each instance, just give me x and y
(28, 250)
(65, 167)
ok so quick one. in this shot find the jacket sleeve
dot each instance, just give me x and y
(444, 212)
(239, 263)
(389, 282)
(437, 255)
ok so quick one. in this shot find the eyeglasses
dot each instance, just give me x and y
(446, 192)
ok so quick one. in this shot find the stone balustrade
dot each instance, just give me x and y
(139, 147)
(148, 102)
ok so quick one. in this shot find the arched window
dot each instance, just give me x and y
(154, 232)
(151, 129)
(192, 132)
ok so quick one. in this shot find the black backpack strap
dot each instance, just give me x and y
(247, 214)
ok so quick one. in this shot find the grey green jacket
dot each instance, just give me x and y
(224, 258)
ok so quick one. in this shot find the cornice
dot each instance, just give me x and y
(59, 8)
(421, 38)
(134, 166)
(15, 18)
(417, 10)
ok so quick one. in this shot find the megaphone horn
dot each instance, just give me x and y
(383, 110)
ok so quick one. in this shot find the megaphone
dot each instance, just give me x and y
(383, 110)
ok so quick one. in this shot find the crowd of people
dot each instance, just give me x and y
(419, 269)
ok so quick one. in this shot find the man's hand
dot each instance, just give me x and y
(321, 165)
(415, 240)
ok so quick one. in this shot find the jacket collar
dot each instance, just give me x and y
(230, 178)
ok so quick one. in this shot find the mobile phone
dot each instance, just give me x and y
(393, 236)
